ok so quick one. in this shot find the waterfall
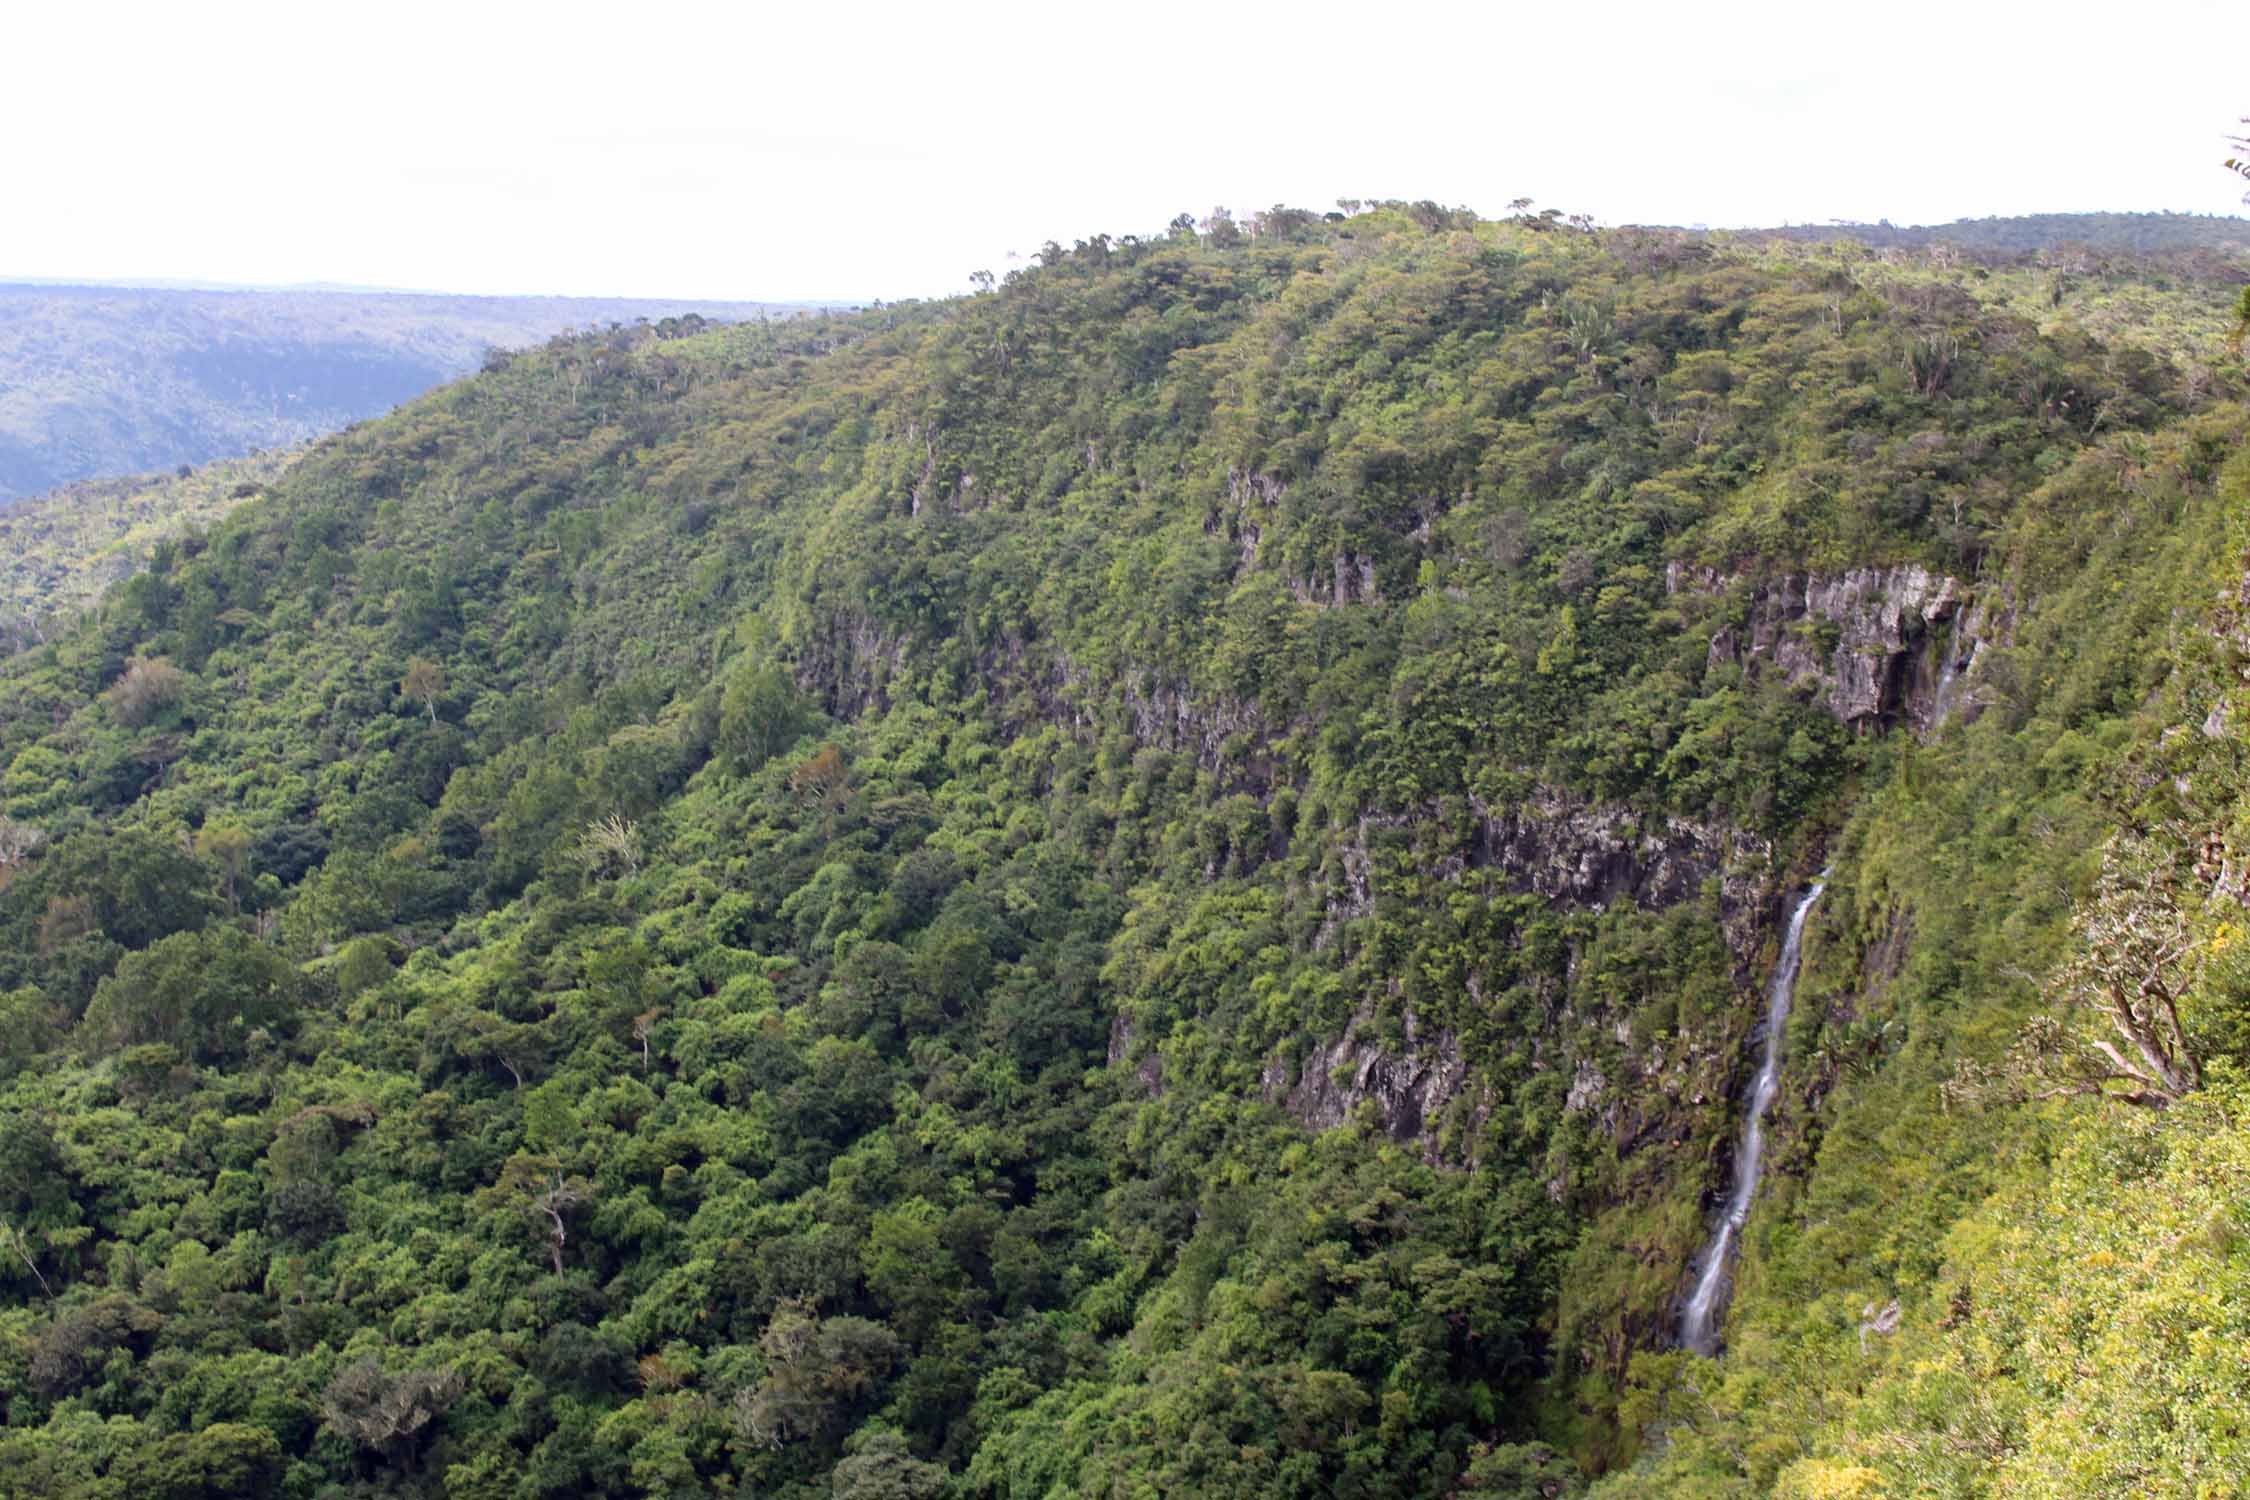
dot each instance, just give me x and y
(1699, 1324)
(1949, 675)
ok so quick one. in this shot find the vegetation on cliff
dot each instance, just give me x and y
(1152, 881)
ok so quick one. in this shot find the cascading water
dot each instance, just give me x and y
(1699, 1324)
(1949, 676)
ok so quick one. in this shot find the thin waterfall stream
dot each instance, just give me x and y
(1950, 668)
(1699, 1324)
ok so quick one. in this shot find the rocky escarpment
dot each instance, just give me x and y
(1577, 852)
(1882, 647)
(1572, 852)
(1414, 1088)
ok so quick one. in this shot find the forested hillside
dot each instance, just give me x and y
(2022, 236)
(1157, 882)
(60, 552)
(100, 382)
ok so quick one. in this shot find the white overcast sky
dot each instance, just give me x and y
(861, 151)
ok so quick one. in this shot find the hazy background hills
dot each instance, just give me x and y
(97, 381)
(2029, 234)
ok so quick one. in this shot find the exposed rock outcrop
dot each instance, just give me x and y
(1886, 646)
(1582, 853)
(1571, 852)
(1412, 1089)
(850, 665)
(1148, 1070)
(1575, 852)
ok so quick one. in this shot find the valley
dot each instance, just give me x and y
(100, 382)
(1204, 872)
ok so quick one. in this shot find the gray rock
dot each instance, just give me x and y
(1905, 638)
(1880, 1322)
(1411, 1089)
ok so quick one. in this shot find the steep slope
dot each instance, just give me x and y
(99, 382)
(1156, 881)
(1975, 1279)
(59, 552)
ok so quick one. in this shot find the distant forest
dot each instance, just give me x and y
(2030, 234)
(103, 381)
(60, 550)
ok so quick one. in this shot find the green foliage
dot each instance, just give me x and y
(60, 550)
(1149, 883)
(1973, 1294)
(759, 716)
(2085, 234)
(203, 993)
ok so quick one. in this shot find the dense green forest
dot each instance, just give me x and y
(97, 382)
(61, 551)
(1156, 882)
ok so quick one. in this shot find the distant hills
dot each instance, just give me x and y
(2028, 234)
(108, 380)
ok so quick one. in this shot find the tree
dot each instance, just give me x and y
(1531, 1471)
(150, 685)
(884, 1468)
(225, 1461)
(815, 1369)
(1221, 231)
(198, 991)
(27, 1026)
(18, 843)
(226, 845)
(611, 844)
(363, 963)
(760, 715)
(2117, 1033)
(70, 1350)
(34, 1194)
(480, 1037)
(536, 1188)
(424, 682)
(130, 886)
(386, 1412)
(34, 1181)
(822, 780)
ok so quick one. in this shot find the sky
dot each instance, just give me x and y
(855, 152)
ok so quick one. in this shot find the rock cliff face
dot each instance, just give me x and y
(1886, 646)
(1571, 852)
(1883, 648)
(1575, 852)
(1413, 1089)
